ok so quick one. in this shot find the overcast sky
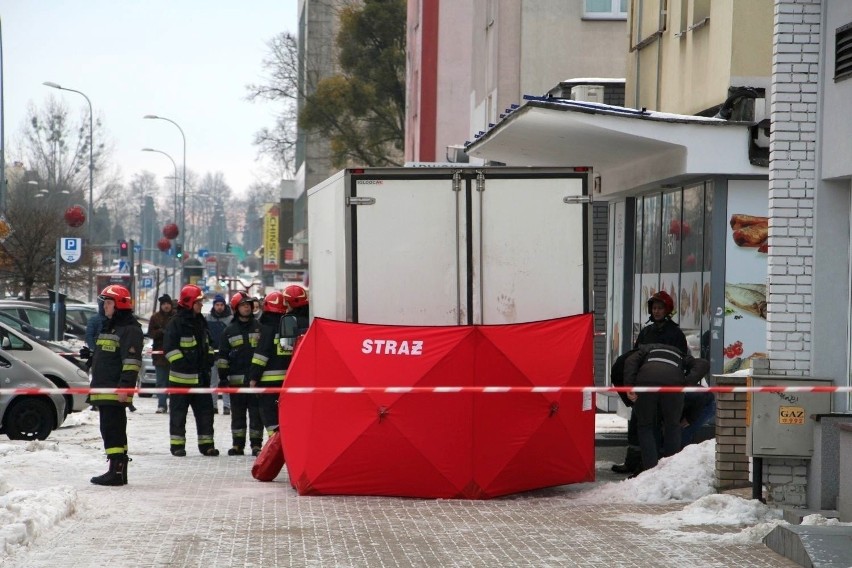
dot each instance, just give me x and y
(188, 60)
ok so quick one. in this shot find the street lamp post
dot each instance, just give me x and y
(174, 258)
(182, 235)
(91, 175)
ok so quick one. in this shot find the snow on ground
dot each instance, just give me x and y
(38, 479)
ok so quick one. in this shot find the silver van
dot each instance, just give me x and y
(44, 357)
(27, 416)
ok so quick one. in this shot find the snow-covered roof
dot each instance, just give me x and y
(630, 148)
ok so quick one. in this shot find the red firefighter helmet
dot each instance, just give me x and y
(239, 298)
(119, 294)
(661, 296)
(295, 296)
(189, 294)
(274, 302)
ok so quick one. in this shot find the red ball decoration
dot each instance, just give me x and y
(75, 216)
(164, 244)
(171, 231)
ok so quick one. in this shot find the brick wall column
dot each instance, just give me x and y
(732, 463)
(792, 181)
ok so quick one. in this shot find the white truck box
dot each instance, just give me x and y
(450, 246)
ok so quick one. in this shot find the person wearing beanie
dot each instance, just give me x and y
(116, 362)
(218, 319)
(156, 327)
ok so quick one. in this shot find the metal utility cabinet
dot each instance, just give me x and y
(450, 246)
(780, 424)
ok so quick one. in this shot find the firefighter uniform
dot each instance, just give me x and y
(236, 347)
(269, 367)
(116, 362)
(186, 342)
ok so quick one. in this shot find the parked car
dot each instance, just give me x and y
(27, 416)
(62, 370)
(38, 315)
(80, 313)
(23, 326)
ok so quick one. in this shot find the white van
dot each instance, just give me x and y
(64, 372)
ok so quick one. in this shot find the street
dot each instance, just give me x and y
(202, 511)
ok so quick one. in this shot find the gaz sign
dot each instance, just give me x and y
(791, 415)
(70, 249)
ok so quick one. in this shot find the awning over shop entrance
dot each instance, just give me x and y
(630, 149)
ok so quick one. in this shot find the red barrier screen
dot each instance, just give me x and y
(437, 445)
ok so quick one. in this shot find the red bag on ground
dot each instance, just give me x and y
(270, 461)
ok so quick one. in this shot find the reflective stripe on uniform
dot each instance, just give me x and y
(258, 359)
(269, 376)
(131, 365)
(188, 342)
(174, 355)
(183, 378)
(107, 342)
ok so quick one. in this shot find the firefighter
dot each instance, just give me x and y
(296, 299)
(187, 346)
(658, 364)
(236, 347)
(270, 360)
(116, 363)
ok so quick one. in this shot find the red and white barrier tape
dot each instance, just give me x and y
(423, 390)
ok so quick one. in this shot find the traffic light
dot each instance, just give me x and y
(228, 246)
(179, 251)
(122, 247)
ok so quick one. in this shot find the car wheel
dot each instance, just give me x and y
(29, 418)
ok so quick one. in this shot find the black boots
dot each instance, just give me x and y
(236, 451)
(632, 462)
(117, 473)
(208, 450)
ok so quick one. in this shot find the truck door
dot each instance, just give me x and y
(406, 243)
(530, 247)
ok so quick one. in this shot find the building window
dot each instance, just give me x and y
(843, 53)
(672, 252)
(605, 9)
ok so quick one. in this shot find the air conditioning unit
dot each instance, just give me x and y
(588, 93)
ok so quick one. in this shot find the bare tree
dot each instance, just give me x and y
(281, 86)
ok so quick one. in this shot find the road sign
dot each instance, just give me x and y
(123, 266)
(147, 282)
(70, 249)
(203, 253)
(137, 248)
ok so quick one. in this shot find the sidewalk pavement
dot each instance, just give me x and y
(209, 512)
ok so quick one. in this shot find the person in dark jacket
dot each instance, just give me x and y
(270, 360)
(93, 327)
(236, 347)
(186, 342)
(657, 364)
(660, 329)
(217, 320)
(156, 328)
(116, 363)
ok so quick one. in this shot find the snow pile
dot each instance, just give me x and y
(25, 514)
(686, 476)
